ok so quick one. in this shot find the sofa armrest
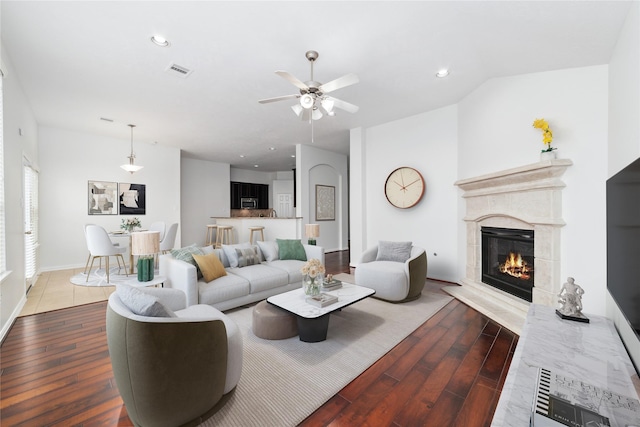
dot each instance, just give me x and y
(180, 275)
(369, 255)
(416, 270)
(313, 251)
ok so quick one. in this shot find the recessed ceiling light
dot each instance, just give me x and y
(442, 73)
(293, 155)
(160, 41)
(272, 148)
(242, 155)
(255, 166)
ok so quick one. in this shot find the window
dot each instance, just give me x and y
(30, 222)
(3, 259)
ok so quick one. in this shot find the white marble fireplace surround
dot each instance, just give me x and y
(527, 197)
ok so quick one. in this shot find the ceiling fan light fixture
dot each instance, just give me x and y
(328, 104)
(442, 73)
(297, 109)
(316, 114)
(306, 101)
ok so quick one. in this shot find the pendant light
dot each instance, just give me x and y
(130, 167)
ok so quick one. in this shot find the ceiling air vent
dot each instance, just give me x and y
(179, 70)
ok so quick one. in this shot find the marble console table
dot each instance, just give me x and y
(592, 352)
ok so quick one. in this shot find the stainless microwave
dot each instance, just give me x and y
(248, 203)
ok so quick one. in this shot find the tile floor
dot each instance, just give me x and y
(53, 290)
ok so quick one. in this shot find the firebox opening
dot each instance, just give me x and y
(508, 260)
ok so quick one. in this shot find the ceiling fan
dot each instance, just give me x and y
(314, 102)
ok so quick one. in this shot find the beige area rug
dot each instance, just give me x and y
(284, 381)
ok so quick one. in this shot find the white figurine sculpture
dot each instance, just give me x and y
(571, 300)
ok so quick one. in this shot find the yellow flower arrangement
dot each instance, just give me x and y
(547, 135)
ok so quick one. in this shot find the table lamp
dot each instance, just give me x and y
(312, 231)
(145, 244)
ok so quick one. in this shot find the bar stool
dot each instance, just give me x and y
(208, 240)
(256, 229)
(224, 236)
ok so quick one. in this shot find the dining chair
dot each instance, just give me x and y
(89, 256)
(159, 226)
(169, 240)
(100, 246)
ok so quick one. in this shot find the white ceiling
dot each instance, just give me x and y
(80, 61)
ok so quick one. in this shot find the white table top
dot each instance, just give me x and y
(294, 301)
(157, 280)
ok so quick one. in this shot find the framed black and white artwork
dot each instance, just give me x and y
(132, 198)
(325, 202)
(102, 198)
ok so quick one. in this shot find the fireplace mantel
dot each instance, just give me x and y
(527, 197)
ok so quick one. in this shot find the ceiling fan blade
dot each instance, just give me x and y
(293, 80)
(278, 98)
(340, 82)
(343, 105)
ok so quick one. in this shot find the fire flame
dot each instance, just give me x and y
(515, 266)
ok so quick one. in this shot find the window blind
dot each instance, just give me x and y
(30, 222)
(3, 258)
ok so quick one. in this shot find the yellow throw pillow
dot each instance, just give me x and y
(210, 266)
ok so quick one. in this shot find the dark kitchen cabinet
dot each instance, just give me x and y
(240, 190)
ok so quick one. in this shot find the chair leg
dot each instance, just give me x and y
(87, 264)
(90, 268)
(126, 273)
(107, 262)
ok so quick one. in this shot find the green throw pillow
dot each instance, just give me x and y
(186, 254)
(291, 249)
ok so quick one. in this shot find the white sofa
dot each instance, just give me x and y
(240, 286)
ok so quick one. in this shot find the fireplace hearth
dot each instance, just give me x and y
(508, 260)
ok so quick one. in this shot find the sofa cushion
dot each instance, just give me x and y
(186, 254)
(230, 252)
(210, 266)
(291, 249)
(222, 289)
(262, 277)
(291, 266)
(141, 303)
(394, 251)
(247, 256)
(269, 250)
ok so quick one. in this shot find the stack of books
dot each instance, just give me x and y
(332, 285)
(322, 300)
(564, 401)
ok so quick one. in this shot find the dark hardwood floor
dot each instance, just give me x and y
(55, 371)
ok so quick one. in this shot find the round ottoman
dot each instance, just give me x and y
(273, 323)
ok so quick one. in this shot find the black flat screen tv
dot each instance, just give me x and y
(623, 242)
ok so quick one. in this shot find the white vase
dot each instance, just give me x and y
(547, 155)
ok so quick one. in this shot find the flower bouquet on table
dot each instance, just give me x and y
(313, 272)
(130, 224)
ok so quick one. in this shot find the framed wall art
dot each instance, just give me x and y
(132, 199)
(102, 198)
(325, 202)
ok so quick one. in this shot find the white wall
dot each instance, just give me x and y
(20, 137)
(495, 133)
(317, 166)
(624, 133)
(68, 160)
(427, 142)
(205, 189)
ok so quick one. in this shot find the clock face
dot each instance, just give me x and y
(404, 187)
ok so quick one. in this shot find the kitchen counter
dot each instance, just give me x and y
(274, 228)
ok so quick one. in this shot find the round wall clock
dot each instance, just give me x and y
(404, 187)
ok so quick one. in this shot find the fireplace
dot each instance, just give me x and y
(527, 198)
(508, 260)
